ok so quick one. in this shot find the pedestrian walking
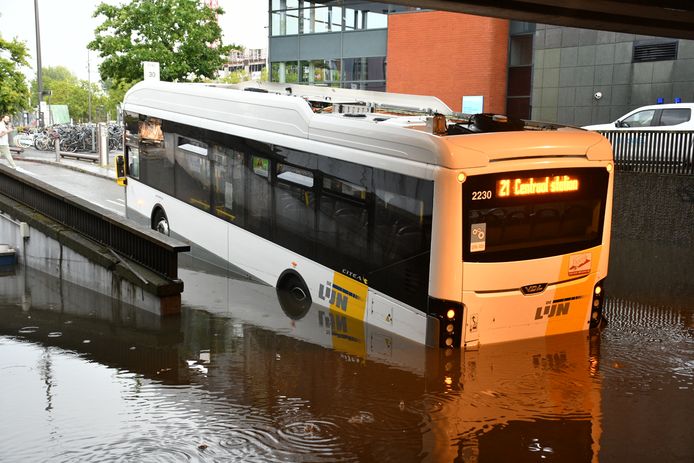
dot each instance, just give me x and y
(5, 129)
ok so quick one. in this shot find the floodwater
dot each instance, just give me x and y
(234, 379)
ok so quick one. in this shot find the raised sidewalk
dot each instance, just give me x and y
(80, 165)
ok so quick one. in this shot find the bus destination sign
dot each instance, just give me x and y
(531, 186)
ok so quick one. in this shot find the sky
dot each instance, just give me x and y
(67, 26)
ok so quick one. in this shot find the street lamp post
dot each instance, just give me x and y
(39, 78)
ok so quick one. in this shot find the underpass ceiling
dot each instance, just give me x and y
(663, 18)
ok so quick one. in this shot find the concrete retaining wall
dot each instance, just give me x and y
(63, 253)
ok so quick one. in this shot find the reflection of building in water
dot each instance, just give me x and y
(118, 335)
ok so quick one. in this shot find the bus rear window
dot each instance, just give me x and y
(532, 214)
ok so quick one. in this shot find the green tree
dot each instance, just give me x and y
(115, 91)
(182, 35)
(235, 77)
(67, 89)
(14, 92)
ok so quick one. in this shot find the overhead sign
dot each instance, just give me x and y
(151, 70)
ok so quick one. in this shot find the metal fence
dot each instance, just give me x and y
(147, 247)
(661, 152)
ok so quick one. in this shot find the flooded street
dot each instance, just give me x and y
(235, 379)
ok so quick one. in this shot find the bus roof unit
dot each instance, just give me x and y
(397, 125)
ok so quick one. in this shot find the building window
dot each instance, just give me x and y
(356, 73)
(285, 72)
(319, 71)
(520, 60)
(373, 68)
(291, 17)
(521, 50)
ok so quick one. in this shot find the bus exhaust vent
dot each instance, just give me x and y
(654, 51)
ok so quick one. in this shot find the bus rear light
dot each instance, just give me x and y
(446, 325)
(596, 317)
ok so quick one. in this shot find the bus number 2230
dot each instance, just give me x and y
(479, 195)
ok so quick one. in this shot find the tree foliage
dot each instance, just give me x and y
(182, 35)
(67, 89)
(14, 93)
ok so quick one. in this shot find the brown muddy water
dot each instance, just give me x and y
(234, 379)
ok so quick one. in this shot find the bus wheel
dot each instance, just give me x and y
(293, 295)
(160, 223)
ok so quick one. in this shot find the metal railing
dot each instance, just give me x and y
(147, 247)
(661, 152)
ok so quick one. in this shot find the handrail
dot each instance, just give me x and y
(147, 247)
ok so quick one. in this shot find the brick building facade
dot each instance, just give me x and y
(449, 55)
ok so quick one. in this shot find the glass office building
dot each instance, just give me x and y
(339, 43)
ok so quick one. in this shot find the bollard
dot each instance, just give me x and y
(103, 144)
(57, 149)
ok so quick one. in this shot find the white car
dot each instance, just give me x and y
(674, 116)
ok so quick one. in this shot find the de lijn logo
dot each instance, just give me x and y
(555, 308)
(336, 295)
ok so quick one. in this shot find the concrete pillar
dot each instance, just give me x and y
(282, 78)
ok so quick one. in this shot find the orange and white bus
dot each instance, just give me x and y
(448, 229)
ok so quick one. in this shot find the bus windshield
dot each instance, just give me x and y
(524, 215)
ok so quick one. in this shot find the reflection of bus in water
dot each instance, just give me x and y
(369, 395)
(422, 225)
(527, 400)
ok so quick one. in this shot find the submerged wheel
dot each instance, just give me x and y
(160, 223)
(293, 295)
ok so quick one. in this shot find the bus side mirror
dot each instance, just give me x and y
(120, 170)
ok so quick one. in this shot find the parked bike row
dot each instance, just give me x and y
(73, 138)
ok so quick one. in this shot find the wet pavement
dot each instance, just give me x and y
(236, 379)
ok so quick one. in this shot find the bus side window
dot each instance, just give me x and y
(294, 208)
(192, 173)
(403, 216)
(343, 216)
(258, 195)
(133, 157)
(402, 236)
(229, 191)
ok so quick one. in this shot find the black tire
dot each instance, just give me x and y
(293, 295)
(160, 222)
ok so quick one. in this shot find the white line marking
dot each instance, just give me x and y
(119, 203)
